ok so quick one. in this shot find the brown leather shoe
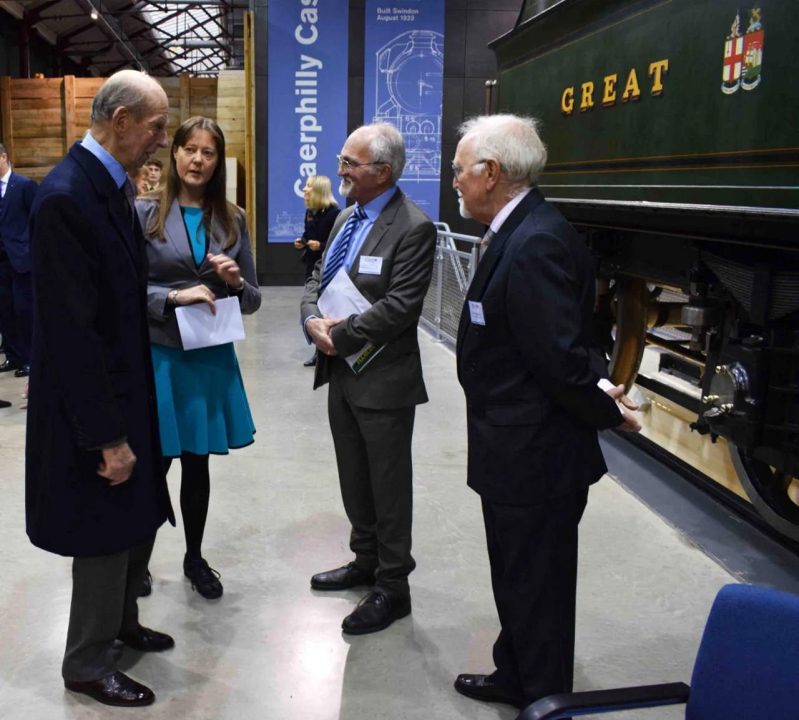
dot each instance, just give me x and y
(485, 688)
(376, 611)
(114, 689)
(146, 640)
(342, 578)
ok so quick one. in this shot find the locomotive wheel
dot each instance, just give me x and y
(632, 302)
(770, 492)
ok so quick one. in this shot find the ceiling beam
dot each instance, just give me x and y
(112, 27)
(169, 4)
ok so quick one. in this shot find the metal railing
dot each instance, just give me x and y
(453, 270)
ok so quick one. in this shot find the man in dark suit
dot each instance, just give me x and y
(95, 489)
(385, 245)
(16, 198)
(533, 405)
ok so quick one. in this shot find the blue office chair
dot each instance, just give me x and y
(747, 667)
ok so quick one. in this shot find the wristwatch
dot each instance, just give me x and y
(172, 297)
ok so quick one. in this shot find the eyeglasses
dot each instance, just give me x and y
(347, 164)
(457, 169)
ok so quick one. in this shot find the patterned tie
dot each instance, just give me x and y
(338, 254)
(130, 198)
(484, 243)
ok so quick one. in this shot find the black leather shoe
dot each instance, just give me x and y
(8, 366)
(146, 585)
(204, 579)
(114, 689)
(146, 640)
(311, 361)
(4, 404)
(376, 611)
(23, 371)
(484, 687)
(342, 578)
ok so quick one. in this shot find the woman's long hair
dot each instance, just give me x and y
(215, 205)
(321, 196)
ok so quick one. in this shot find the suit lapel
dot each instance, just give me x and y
(496, 249)
(378, 231)
(175, 231)
(105, 187)
(7, 197)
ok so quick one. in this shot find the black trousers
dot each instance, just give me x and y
(373, 454)
(16, 311)
(104, 605)
(532, 550)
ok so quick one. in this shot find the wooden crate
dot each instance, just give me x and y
(40, 119)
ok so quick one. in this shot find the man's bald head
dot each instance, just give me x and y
(127, 88)
(129, 118)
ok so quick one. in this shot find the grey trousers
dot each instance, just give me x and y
(373, 454)
(104, 605)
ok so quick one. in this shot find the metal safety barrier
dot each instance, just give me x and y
(453, 269)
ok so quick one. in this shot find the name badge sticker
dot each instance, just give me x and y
(370, 265)
(476, 312)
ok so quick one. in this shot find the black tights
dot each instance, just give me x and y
(195, 492)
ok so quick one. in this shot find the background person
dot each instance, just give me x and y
(154, 168)
(16, 297)
(533, 404)
(94, 486)
(198, 248)
(322, 211)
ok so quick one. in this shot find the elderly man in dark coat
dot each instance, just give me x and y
(94, 485)
(534, 404)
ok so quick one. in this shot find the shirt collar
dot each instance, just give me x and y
(110, 163)
(503, 214)
(6, 177)
(376, 205)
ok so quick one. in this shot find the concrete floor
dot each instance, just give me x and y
(272, 648)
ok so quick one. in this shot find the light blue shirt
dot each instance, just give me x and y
(110, 163)
(372, 209)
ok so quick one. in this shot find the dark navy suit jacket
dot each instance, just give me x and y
(14, 211)
(533, 406)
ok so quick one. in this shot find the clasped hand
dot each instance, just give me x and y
(631, 423)
(117, 464)
(227, 269)
(319, 330)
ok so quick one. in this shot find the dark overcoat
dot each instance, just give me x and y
(91, 378)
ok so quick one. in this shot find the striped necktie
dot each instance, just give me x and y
(338, 254)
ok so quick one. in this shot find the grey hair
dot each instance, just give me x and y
(387, 146)
(513, 141)
(3, 150)
(126, 88)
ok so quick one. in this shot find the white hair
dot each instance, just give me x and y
(387, 146)
(511, 140)
(127, 88)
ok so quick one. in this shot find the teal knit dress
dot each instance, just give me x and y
(202, 406)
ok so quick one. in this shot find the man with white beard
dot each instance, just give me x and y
(386, 245)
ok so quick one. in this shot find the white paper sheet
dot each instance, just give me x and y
(340, 300)
(199, 327)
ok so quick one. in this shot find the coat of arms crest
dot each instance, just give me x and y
(743, 54)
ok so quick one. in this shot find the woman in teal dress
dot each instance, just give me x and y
(198, 249)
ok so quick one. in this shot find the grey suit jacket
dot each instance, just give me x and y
(405, 238)
(172, 267)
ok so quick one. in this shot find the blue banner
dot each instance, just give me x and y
(403, 86)
(307, 98)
